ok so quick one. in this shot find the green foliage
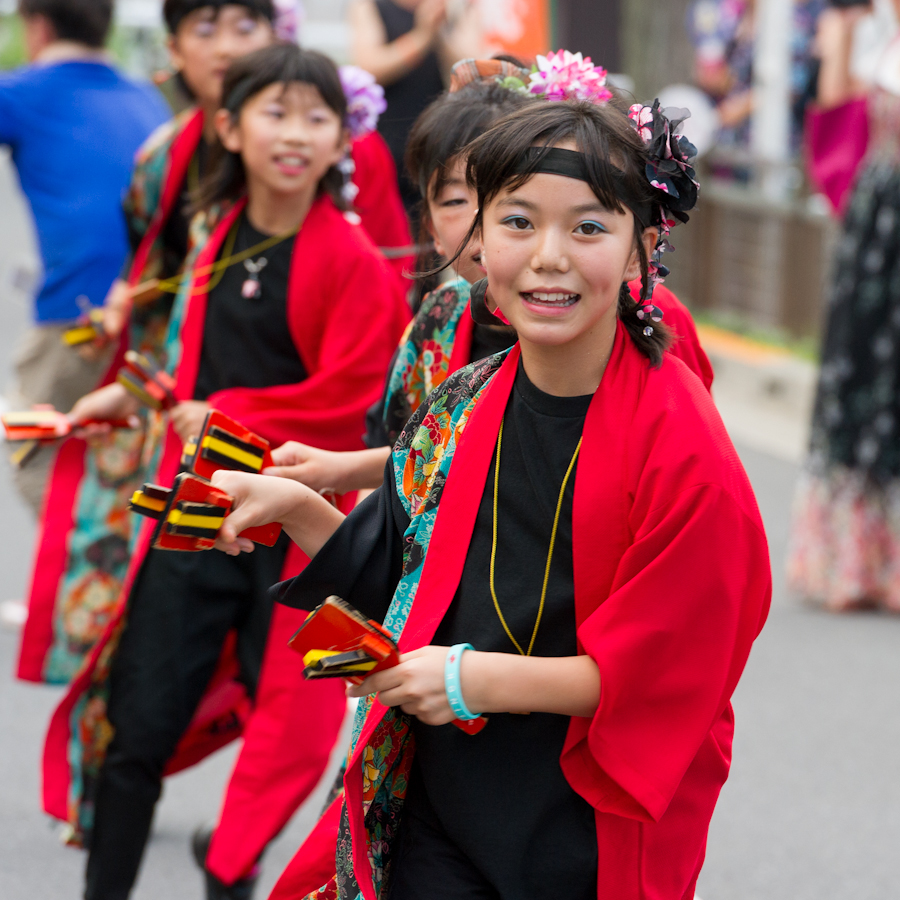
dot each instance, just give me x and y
(139, 51)
(12, 44)
(804, 347)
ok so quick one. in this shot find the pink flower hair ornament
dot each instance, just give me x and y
(568, 76)
(557, 76)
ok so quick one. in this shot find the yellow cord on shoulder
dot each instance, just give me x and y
(559, 502)
(217, 269)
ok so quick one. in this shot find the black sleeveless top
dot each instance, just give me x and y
(406, 97)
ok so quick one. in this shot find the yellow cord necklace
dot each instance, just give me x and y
(217, 269)
(562, 490)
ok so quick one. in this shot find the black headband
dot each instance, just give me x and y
(572, 164)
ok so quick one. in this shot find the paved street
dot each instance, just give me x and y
(812, 810)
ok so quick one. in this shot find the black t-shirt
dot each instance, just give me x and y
(246, 341)
(500, 796)
(406, 97)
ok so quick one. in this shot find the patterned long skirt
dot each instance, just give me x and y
(845, 542)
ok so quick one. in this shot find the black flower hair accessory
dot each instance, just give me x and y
(670, 172)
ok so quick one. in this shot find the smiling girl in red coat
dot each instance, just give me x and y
(565, 542)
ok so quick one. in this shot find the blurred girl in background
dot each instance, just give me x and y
(301, 352)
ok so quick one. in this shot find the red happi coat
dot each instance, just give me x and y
(345, 314)
(314, 861)
(160, 173)
(672, 585)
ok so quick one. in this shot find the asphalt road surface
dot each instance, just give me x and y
(811, 811)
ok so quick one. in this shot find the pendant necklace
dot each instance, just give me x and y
(251, 288)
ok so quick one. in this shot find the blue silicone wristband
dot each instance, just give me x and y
(452, 685)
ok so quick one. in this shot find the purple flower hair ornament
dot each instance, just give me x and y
(365, 100)
(568, 76)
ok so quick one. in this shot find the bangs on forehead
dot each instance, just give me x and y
(604, 178)
(283, 64)
(612, 156)
(175, 11)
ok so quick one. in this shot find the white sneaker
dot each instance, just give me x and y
(13, 614)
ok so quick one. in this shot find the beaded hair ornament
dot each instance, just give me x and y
(365, 103)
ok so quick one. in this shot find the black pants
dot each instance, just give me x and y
(428, 865)
(182, 607)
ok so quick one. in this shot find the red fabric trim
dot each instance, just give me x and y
(64, 482)
(183, 147)
(313, 864)
(441, 573)
(378, 202)
(57, 521)
(461, 355)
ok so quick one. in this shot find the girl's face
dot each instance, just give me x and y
(556, 259)
(208, 40)
(288, 137)
(450, 215)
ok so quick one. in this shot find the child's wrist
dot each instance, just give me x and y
(477, 676)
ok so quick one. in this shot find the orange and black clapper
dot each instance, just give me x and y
(337, 641)
(190, 514)
(143, 377)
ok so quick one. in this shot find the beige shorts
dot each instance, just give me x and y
(48, 371)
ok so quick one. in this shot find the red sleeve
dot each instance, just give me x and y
(378, 203)
(689, 597)
(346, 332)
(686, 346)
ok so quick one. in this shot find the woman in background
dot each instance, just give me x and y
(845, 548)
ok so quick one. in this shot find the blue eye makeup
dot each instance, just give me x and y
(590, 228)
(516, 222)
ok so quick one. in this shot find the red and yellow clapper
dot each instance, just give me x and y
(88, 330)
(225, 444)
(191, 513)
(337, 641)
(144, 378)
(36, 427)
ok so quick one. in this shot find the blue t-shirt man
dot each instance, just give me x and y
(74, 127)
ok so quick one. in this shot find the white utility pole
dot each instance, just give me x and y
(771, 129)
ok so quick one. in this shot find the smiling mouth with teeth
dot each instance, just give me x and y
(557, 299)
